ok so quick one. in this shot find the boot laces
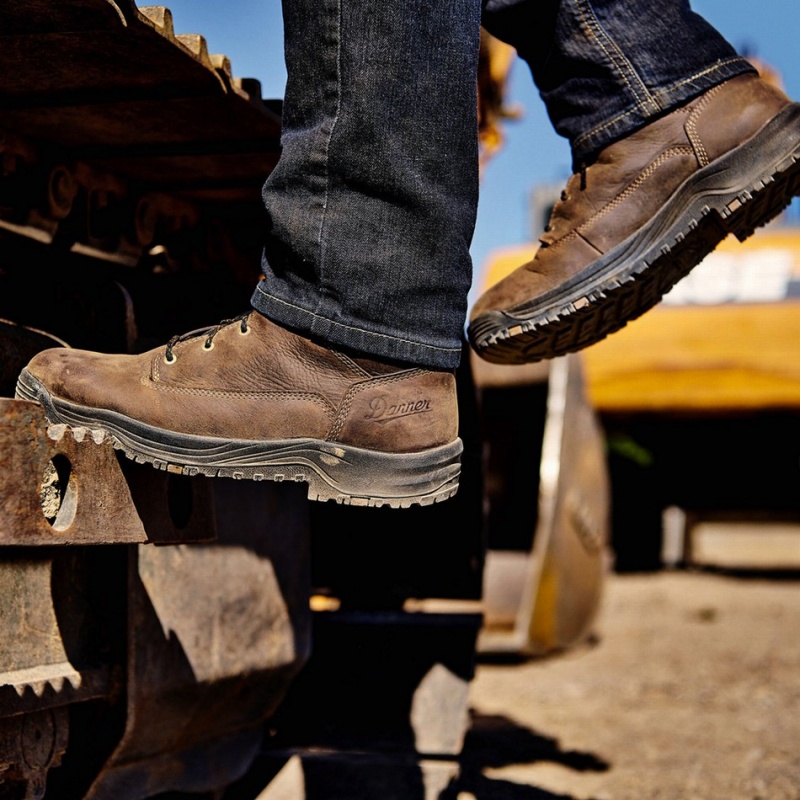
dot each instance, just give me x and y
(565, 197)
(209, 332)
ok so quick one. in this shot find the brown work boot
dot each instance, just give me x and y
(641, 216)
(249, 399)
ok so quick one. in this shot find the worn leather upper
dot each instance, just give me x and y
(631, 179)
(265, 384)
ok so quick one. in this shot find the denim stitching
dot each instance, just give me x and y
(700, 74)
(358, 330)
(617, 58)
(600, 128)
(659, 94)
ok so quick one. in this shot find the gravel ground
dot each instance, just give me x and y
(692, 692)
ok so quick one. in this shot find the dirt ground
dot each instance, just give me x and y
(692, 692)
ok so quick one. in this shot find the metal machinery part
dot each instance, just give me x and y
(548, 508)
(149, 622)
(156, 636)
(382, 707)
(155, 629)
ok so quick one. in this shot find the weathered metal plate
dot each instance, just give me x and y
(95, 504)
(58, 487)
(216, 633)
(544, 597)
(59, 608)
(119, 88)
(37, 643)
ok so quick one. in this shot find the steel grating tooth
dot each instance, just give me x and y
(56, 432)
(53, 677)
(79, 433)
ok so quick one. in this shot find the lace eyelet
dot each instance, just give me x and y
(168, 360)
(244, 331)
(208, 345)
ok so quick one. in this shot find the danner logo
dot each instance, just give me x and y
(381, 409)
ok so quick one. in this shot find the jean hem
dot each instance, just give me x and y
(589, 144)
(353, 336)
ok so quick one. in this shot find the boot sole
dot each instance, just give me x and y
(333, 471)
(736, 193)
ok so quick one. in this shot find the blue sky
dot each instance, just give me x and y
(249, 32)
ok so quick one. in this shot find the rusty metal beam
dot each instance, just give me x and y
(95, 504)
(216, 634)
(94, 497)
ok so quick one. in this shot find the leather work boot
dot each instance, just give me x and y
(641, 216)
(249, 399)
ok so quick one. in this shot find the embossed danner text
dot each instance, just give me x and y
(381, 410)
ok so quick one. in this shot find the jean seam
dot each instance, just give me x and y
(327, 146)
(617, 59)
(354, 328)
(700, 74)
(661, 93)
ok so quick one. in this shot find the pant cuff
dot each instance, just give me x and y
(353, 337)
(589, 144)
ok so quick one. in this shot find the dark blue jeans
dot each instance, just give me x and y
(372, 205)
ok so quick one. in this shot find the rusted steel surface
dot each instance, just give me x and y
(215, 635)
(95, 504)
(59, 487)
(132, 167)
(30, 746)
(37, 643)
(59, 651)
(117, 87)
(208, 636)
(124, 141)
(176, 654)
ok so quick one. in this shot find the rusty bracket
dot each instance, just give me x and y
(62, 487)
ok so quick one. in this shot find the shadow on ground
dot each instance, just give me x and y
(328, 774)
(497, 741)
